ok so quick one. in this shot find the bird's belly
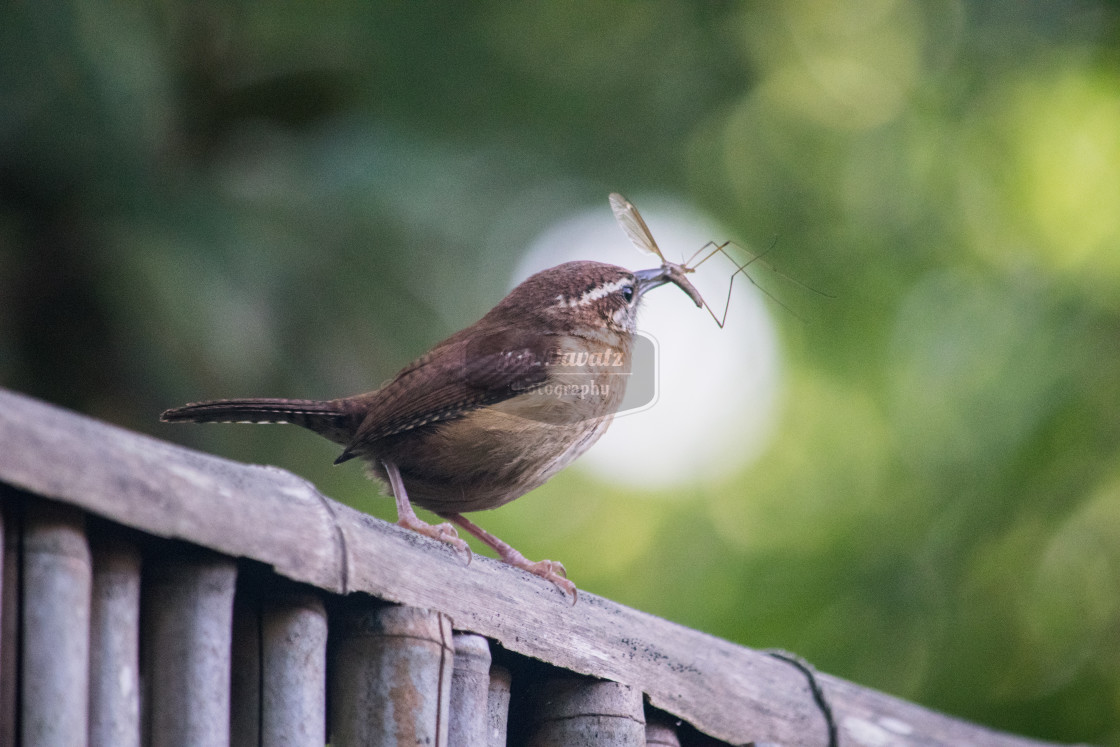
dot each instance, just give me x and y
(491, 457)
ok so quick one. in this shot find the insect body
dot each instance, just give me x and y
(635, 227)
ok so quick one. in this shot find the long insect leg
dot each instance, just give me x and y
(741, 269)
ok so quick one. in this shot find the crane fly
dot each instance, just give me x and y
(677, 273)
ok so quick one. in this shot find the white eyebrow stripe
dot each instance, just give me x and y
(600, 291)
(594, 294)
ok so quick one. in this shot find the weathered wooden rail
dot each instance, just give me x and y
(156, 595)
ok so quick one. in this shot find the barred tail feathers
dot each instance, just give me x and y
(326, 417)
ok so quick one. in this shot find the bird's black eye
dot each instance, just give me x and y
(627, 292)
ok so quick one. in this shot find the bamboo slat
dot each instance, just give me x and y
(188, 609)
(114, 682)
(57, 579)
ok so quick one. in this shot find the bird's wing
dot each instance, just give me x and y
(457, 376)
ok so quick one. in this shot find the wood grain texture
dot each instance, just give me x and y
(730, 692)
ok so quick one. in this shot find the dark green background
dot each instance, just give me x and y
(207, 199)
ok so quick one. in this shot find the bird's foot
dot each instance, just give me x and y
(443, 532)
(408, 519)
(550, 570)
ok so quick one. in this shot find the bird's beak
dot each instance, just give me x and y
(667, 273)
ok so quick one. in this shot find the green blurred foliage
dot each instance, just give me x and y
(221, 199)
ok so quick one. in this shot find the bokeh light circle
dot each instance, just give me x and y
(718, 390)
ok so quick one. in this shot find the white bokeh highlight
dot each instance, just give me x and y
(718, 390)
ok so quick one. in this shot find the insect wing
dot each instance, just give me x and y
(631, 221)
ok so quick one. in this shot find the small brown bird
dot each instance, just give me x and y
(493, 411)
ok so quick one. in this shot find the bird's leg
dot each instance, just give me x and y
(408, 519)
(550, 570)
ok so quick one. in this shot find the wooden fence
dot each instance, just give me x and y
(156, 595)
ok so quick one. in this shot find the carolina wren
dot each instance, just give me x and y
(491, 412)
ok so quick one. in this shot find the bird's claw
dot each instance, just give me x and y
(442, 532)
(552, 571)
